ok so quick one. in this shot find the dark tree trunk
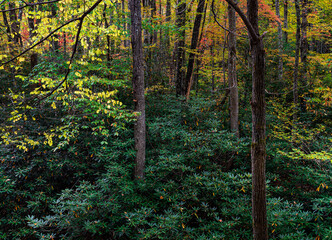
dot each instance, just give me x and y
(5, 20)
(32, 34)
(286, 20)
(125, 42)
(258, 145)
(232, 79)
(194, 43)
(108, 39)
(14, 24)
(138, 86)
(55, 39)
(212, 68)
(168, 19)
(297, 56)
(181, 86)
(304, 50)
(154, 36)
(280, 45)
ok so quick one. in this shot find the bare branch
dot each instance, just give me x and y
(80, 19)
(2, 2)
(42, 40)
(28, 5)
(74, 50)
(216, 20)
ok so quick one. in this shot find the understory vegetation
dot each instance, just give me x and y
(145, 119)
(78, 183)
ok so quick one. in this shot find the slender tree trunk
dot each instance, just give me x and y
(280, 45)
(258, 145)
(304, 50)
(126, 43)
(297, 56)
(232, 79)
(14, 24)
(5, 20)
(32, 34)
(168, 20)
(65, 45)
(138, 86)
(212, 68)
(108, 39)
(154, 36)
(286, 20)
(180, 51)
(55, 37)
(194, 43)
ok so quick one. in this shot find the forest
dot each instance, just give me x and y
(165, 119)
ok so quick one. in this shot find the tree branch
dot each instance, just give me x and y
(28, 5)
(216, 20)
(253, 34)
(42, 40)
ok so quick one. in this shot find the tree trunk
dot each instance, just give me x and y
(108, 40)
(125, 41)
(280, 45)
(138, 87)
(55, 37)
(232, 79)
(181, 86)
(258, 145)
(212, 68)
(297, 56)
(286, 20)
(304, 50)
(14, 24)
(5, 20)
(168, 20)
(194, 43)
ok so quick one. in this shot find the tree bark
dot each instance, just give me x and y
(193, 47)
(297, 56)
(168, 20)
(55, 38)
(138, 87)
(5, 20)
(125, 27)
(14, 24)
(304, 50)
(286, 20)
(258, 145)
(280, 45)
(232, 79)
(181, 86)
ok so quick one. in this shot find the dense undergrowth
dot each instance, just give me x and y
(198, 180)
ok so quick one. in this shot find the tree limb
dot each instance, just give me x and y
(253, 34)
(27, 5)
